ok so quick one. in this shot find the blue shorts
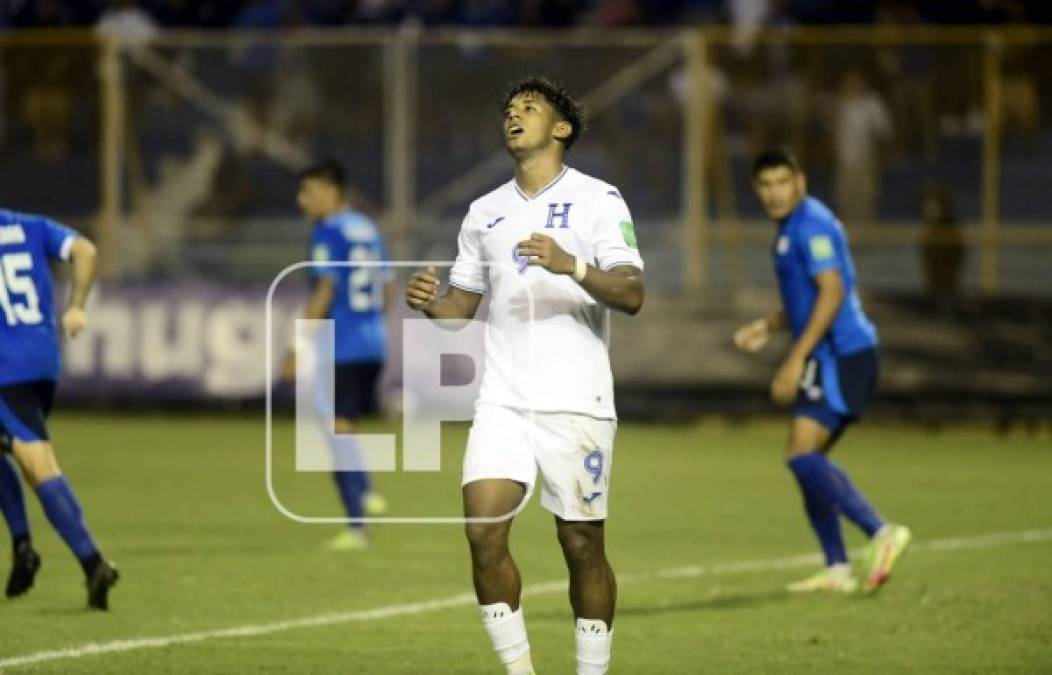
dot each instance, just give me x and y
(835, 389)
(356, 389)
(24, 407)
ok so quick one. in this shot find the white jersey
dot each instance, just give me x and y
(546, 337)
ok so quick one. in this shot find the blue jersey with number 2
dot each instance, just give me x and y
(29, 346)
(811, 241)
(357, 306)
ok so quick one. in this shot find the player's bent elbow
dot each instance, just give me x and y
(633, 303)
(84, 249)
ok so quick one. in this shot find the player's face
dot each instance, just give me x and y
(531, 123)
(780, 189)
(318, 198)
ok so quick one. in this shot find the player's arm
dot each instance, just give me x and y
(320, 301)
(82, 263)
(830, 295)
(620, 287)
(456, 303)
(753, 336)
(318, 305)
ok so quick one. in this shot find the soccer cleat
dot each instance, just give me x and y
(886, 547)
(24, 566)
(348, 540)
(838, 579)
(375, 504)
(100, 582)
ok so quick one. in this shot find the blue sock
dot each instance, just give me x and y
(826, 524)
(63, 511)
(829, 486)
(821, 511)
(352, 486)
(852, 504)
(12, 503)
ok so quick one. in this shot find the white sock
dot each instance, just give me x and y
(507, 631)
(593, 647)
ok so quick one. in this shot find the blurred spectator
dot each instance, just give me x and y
(942, 248)
(907, 69)
(1020, 96)
(42, 13)
(127, 23)
(862, 123)
(196, 13)
(46, 102)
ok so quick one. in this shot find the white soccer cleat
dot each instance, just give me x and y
(838, 579)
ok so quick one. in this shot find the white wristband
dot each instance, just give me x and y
(580, 269)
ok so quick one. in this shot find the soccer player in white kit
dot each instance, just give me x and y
(553, 249)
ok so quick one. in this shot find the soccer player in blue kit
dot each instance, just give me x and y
(830, 372)
(353, 297)
(29, 368)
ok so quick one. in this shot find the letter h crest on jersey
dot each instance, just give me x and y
(555, 215)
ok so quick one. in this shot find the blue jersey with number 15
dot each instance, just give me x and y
(357, 306)
(29, 346)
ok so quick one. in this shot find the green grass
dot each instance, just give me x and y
(180, 504)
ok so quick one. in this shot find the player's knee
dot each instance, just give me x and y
(797, 449)
(581, 542)
(488, 541)
(37, 461)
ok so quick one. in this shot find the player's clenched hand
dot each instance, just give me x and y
(786, 381)
(544, 251)
(422, 289)
(73, 321)
(753, 336)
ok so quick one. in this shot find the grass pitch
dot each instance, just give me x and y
(705, 530)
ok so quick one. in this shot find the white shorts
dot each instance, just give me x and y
(573, 452)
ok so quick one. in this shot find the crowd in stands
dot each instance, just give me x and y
(261, 14)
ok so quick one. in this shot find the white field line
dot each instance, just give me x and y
(468, 599)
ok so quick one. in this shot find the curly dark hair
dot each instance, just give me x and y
(560, 99)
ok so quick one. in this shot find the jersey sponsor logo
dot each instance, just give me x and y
(556, 215)
(821, 247)
(628, 231)
(490, 226)
(783, 245)
(12, 234)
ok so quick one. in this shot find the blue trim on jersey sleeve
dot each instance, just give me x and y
(55, 238)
